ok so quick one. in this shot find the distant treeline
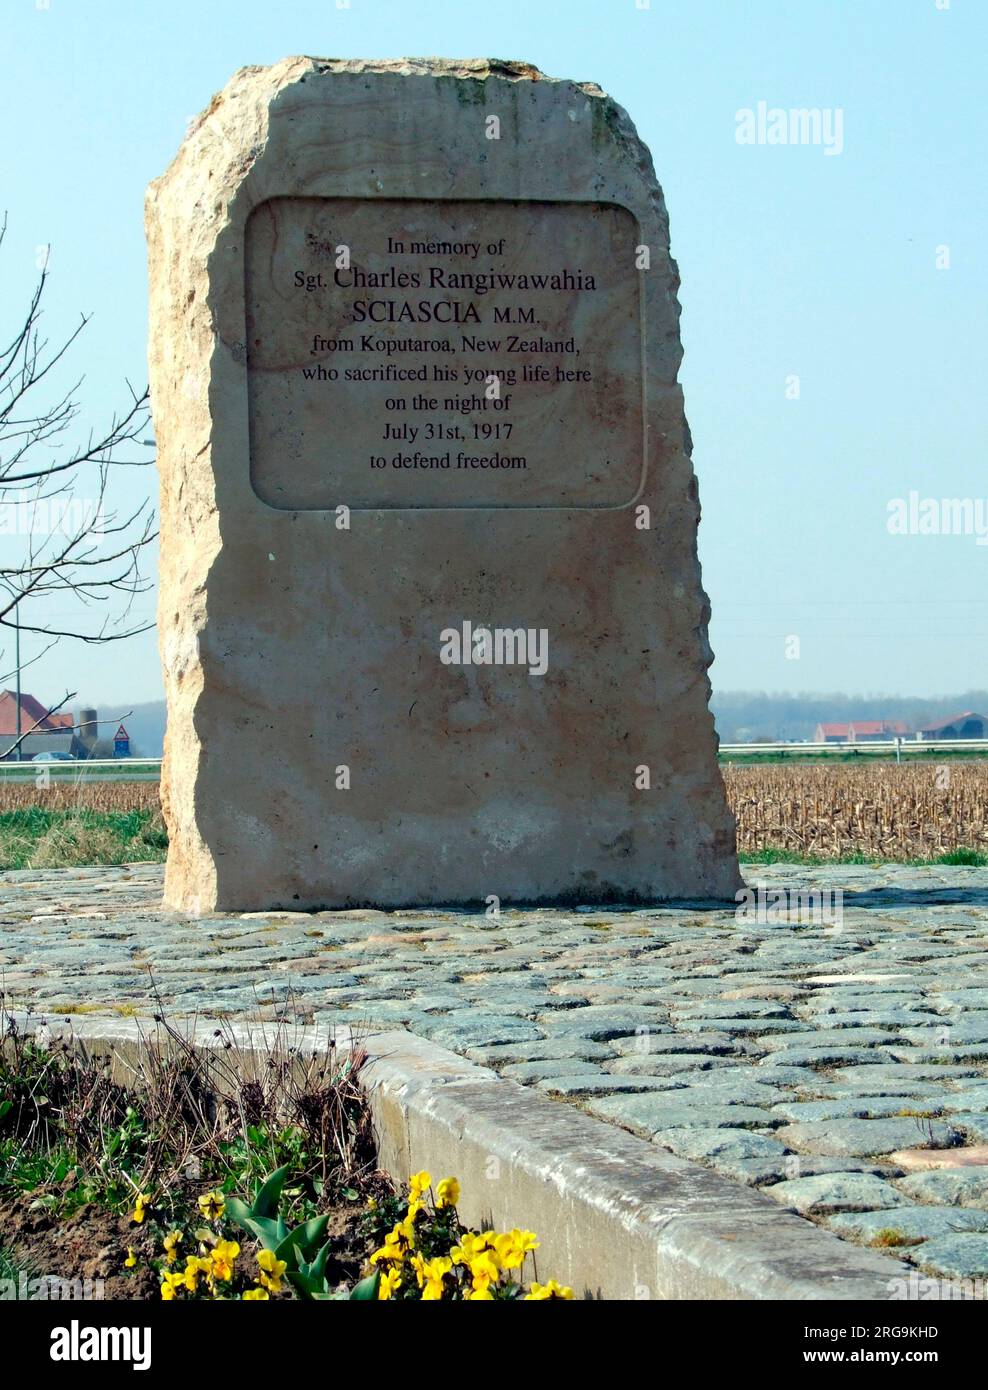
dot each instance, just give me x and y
(746, 716)
(742, 716)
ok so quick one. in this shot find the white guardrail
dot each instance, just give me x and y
(149, 769)
(893, 745)
(92, 770)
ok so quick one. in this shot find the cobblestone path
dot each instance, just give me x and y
(841, 1064)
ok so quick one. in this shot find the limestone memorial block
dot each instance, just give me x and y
(431, 615)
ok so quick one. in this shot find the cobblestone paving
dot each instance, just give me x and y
(841, 1067)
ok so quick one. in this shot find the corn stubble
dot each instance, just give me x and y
(880, 810)
(890, 812)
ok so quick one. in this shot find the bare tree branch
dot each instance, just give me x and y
(58, 530)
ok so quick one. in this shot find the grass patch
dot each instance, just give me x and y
(971, 858)
(36, 837)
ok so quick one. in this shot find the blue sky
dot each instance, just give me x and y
(793, 263)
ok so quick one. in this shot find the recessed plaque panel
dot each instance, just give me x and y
(407, 354)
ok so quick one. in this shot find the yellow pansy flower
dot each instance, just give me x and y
(222, 1258)
(481, 1295)
(270, 1264)
(405, 1231)
(390, 1281)
(484, 1269)
(512, 1247)
(419, 1183)
(142, 1200)
(525, 1240)
(212, 1205)
(172, 1241)
(485, 1266)
(433, 1272)
(131, 1259)
(393, 1248)
(255, 1296)
(448, 1193)
(469, 1246)
(169, 1284)
(541, 1292)
(417, 1263)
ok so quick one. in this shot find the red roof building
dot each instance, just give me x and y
(42, 733)
(861, 731)
(32, 712)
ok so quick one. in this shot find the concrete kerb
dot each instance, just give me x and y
(617, 1217)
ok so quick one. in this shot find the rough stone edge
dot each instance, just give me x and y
(618, 1218)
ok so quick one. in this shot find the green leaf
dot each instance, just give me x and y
(266, 1202)
(308, 1285)
(269, 1233)
(318, 1265)
(366, 1290)
(306, 1237)
(238, 1212)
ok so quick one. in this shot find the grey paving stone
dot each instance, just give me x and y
(647, 1114)
(835, 1192)
(966, 1098)
(838, 1056)
(656, 1041)
(910, 1223)
(875, 1018)
(856, 1108)
(668, 1063)
(758, 1172)
(830, 1038)
(539, 1049)
(468, 1029)
(725, 1086)
(960, 1029)
(602, 1021)
(732, 1009)
(894, 1073)
(949, 1052)
(864, 1138)
(526, 1072)
(728, 1144)
(973, 997)
(954, 1256)
(973, 1127)
(961, 1187)
(585, 1084)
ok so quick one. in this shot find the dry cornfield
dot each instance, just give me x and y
(912, 811)
(64, 795)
